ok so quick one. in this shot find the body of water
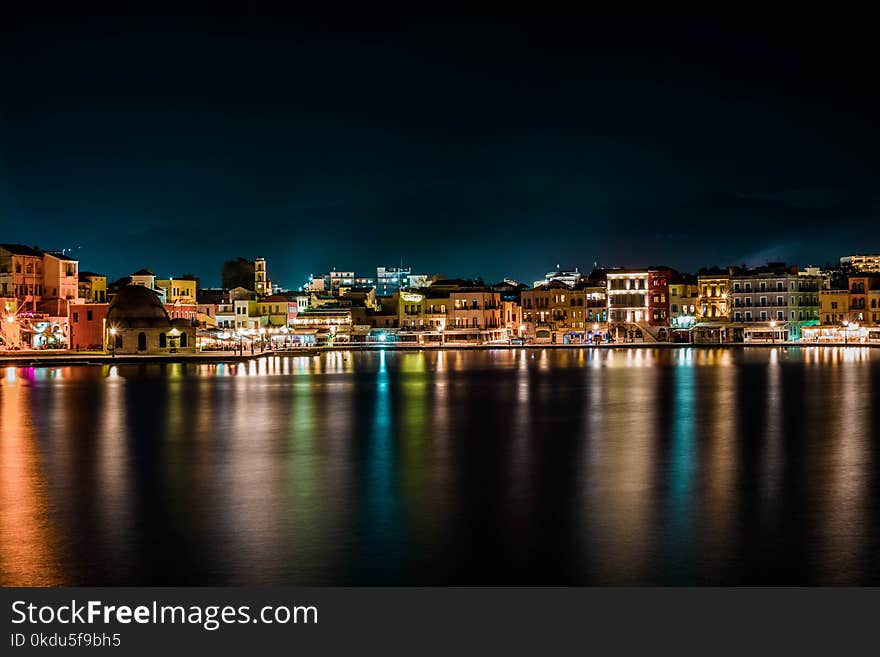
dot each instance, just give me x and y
(529, 466)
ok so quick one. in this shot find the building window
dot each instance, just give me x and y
(76, 317)
(89, 315)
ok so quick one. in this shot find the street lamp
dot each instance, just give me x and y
(773, 331)
(113, 342)
(845, 333)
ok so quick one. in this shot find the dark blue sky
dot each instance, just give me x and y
(469, 145)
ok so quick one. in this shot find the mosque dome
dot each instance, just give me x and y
(136, 306)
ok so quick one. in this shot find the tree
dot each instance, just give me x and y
(238, 273)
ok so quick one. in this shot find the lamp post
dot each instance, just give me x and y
(113, 342)
(845, 333)
(773, 332)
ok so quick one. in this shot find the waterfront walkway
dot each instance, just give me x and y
(61, 357)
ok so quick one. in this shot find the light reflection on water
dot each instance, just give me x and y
(580, 466)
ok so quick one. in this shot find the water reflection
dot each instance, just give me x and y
(609, 466)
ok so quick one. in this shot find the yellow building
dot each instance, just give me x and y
(275, 309)
(833, 307)
(178, 290)
(511, 318)
(92, 287)
(563, 310)
(712, 304)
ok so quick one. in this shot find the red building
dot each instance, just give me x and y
(658, 296)
(87, 326)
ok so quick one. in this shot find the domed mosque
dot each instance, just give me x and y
(139, 324)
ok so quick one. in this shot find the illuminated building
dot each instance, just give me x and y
(178, 290)
(859, 304)
(474, 311)
(562, 312)
(570, 276)
(391, 279)
(773, 302)
(868, 264)
(92, 287)
(275, 309)
(638, 301)
(87, 326)
(684, 294)
(137, 323)
(326, 325)
(21, 274)
(10, 329)
(833, 307)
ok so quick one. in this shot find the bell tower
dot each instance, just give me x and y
(262, 285)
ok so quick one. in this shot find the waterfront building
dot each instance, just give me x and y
(511, 319)
(562, 313)
(474, 310)
(833, 307)
(275, 309)
(322, 326)
(411, 309)
(423, 314)
(43, 283)
(247, 316)
(92, 287)
(87, 326)
(437, 305)
(387, 316)
(773, 302)
(208, 302)
(860, 289)
(638, 302)
(510, 294)
(868, 264)
(21, 275)
(684, 299)
(10, 328)
(60, 277)
(712, 304)
(137, 323)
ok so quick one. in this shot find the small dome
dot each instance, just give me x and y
(136, 306)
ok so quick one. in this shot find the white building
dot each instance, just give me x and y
(863, 263)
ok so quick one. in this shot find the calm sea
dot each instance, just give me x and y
(531, 466)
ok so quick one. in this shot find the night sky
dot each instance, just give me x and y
(465, 145)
